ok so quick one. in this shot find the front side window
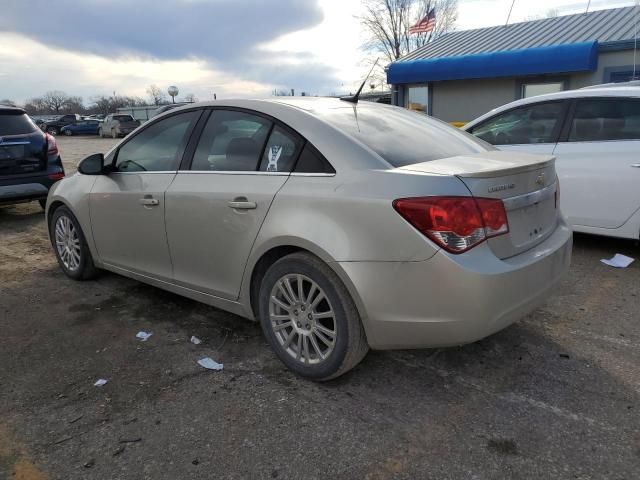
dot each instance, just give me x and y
(231, 141)
(157, 148)
(281, 152)
(522, 126)
(606, 119)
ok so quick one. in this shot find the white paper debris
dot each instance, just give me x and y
(195, 340)
(100, 383)
(144, 336)
(210, 364)
(618, 261)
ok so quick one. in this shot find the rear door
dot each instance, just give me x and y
(128, 206)
(216, 206)
(533, 128)
(598, 162)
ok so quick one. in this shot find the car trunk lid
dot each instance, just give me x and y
(22, 154)
(525, 183)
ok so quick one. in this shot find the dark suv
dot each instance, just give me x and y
(29, 160)
(54, 126)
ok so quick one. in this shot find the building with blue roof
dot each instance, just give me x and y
(464, 74)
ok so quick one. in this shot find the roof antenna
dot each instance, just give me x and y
(635, 40)
(354, 98)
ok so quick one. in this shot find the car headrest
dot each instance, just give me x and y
(242, 154)
(586, 129)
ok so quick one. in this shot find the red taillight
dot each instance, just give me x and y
(52, 146)
(56, 176)
(457, 224)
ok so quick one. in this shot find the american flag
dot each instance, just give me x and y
(425, 25)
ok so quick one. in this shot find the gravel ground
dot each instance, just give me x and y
(553, 396)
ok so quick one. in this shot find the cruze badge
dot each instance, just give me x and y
(500, 188)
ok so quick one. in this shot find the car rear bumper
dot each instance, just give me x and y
(22, 189)
(455, 299)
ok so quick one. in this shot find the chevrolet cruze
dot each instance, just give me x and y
(339, 226)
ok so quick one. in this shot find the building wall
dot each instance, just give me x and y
(607, 61)
(464, 100)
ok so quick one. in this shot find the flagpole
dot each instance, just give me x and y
(510, 10)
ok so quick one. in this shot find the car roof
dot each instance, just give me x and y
(608, 90)
(9, 108)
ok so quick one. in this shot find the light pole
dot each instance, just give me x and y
(173, 91)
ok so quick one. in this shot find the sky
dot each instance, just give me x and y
(233, 48)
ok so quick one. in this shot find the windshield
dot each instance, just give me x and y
(400, 136)
(15, 123)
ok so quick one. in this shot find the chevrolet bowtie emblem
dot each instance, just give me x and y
(540, 180)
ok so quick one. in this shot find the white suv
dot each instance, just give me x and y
(595, 135)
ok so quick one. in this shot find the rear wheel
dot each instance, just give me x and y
(68, 132)
(100, 133)
(309, 318)
(70, 246)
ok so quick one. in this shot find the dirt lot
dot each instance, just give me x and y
(554, 396)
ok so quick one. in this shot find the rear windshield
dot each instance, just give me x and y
(123, 118)
(400, 136)
(15, 123)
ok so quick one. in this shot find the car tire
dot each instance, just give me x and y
(43, 203)
(70, 246)
(114, 134)
(53, 131)
(100, 133)
(68, 132)
(319, 342)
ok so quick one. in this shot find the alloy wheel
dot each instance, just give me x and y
(302, 319)
(67, 243)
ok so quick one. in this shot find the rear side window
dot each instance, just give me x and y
(231, 141)
(15, 123)
(399, 136)
(311, 161)
(605, 119)
(522, 126)
(281, 151)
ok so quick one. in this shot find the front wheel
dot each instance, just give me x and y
(53, 131)
(70, 246)
(68, 132)
(309, 318)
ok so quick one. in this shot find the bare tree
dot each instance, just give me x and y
(190, 97)
(55, 100)
(387, 23)
(156, 95)
(7, 102)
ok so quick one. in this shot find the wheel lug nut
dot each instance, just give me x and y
(299, 325)
(309, 316)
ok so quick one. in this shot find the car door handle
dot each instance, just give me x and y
(149, 202)
(635, 165)
(242, 204)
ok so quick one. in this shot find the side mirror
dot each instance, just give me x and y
(92, 165)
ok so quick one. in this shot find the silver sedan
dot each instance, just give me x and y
(340, 227)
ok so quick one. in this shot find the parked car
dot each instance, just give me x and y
(29, 159)
(340, 227)
(117, 125)
(53, 127)
(83, 127)
(595, 135)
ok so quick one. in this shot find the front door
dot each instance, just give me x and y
(215, 209)
(128, 206)
(599, 163)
